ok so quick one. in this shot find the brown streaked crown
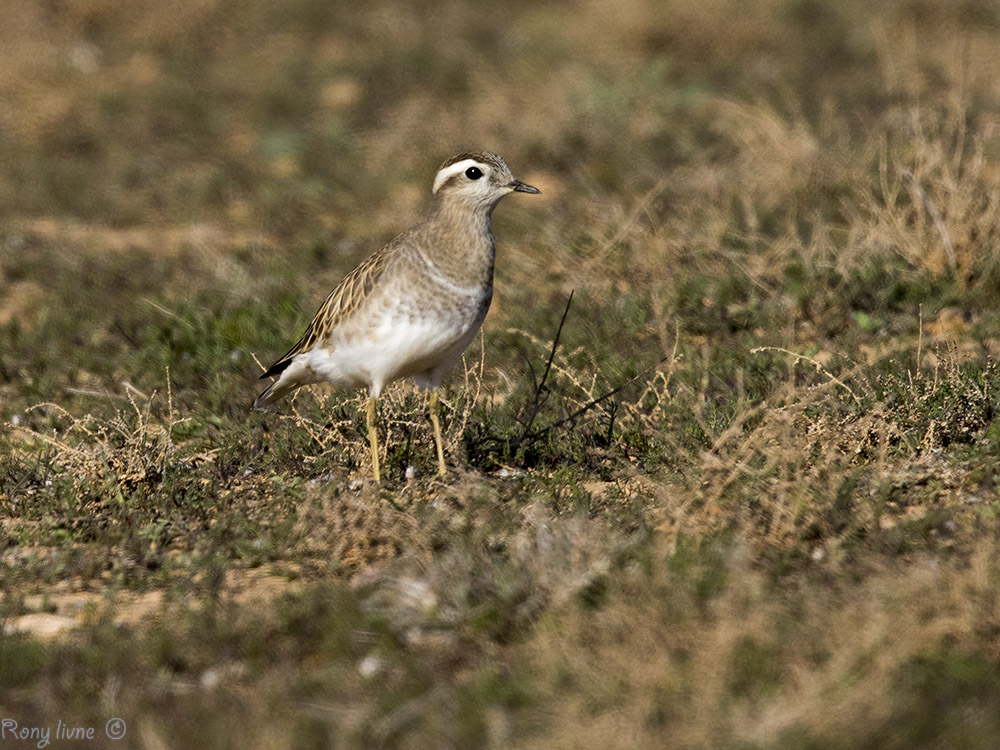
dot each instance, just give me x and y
(483, 157)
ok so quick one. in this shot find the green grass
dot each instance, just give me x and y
(779, 531)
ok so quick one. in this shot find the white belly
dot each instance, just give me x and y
(397, 344)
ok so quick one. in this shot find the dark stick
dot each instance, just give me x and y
(540, 387)
(587, 407)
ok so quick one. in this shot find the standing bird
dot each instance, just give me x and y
(412, 308)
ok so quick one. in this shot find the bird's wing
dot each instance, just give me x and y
(339, 305)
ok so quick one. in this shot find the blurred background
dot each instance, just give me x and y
(310, 124)
(783, 535)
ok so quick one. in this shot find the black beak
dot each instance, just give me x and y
(520, 187)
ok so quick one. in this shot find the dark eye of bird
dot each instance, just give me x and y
(473, 173)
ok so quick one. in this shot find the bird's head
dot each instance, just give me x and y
(478, 179)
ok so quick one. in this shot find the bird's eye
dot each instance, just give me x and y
(473, 173)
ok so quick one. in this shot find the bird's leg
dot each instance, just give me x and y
(373, 438)
(434, 408)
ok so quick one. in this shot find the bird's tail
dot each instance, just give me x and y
(271, 394)
(285, 384)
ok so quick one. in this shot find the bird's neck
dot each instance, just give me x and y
(460, 243)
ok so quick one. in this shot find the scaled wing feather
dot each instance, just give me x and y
(341, 302)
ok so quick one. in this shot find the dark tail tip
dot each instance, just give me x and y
(263, 399)
(276, 369)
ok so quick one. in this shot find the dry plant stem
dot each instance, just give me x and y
(626, 227)
(939, 224)
(540, 387)
(920, 338)
(470, 402)
(533, 435)
(813, 362)
(594, 402)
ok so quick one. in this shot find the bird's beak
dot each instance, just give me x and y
(520, 187)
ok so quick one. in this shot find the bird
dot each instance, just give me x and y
(410, 309)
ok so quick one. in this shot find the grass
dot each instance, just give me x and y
(779, 531)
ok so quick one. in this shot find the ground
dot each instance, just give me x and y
(745, 495)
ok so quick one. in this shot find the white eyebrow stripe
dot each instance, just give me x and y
(453, 169)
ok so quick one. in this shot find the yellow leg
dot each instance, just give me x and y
(373, 439)
(434, 407)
